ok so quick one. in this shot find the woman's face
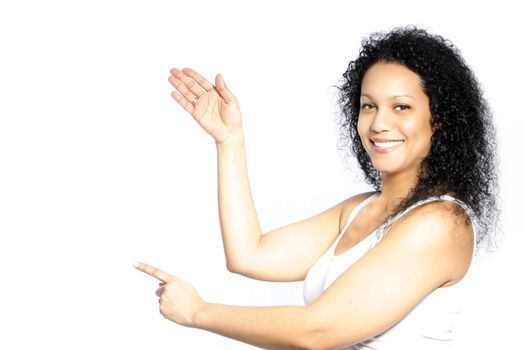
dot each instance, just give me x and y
(394, 120)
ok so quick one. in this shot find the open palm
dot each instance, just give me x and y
(215, 108)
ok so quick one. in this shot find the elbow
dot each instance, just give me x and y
(236, 267)
(305, 340)
(233, 262)
(316, 345)
(244, 265)
(313, 342)
(231, 267)
(317, 334)
(322, 340)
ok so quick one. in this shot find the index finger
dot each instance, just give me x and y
(154, 272)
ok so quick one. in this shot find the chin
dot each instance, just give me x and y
(386, 167)
(391, 169)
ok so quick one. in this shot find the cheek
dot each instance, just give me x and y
(422, 132)
(413, 125)
(426, 132)
(418, 127)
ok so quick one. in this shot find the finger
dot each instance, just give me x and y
(159, 291)
(183, 90)
(154, 272)
(188, 83)
(188, 106)
(222, 89)
(205, 84)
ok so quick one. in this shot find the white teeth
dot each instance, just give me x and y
(389, 144)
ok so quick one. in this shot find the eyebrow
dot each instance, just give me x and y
(391, 97)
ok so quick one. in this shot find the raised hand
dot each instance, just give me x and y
(178, 300)
(215, 108)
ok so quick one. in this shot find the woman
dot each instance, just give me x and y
(382, 270)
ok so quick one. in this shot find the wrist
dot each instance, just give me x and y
(235, 138)
(200, 316)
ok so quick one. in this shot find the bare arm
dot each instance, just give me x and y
(241, 231)
(285, 254)
(372, 295)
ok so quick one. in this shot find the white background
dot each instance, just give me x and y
(99, 167)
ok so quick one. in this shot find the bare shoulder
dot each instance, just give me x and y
(428, 248)
(441, 229)
(437, 220)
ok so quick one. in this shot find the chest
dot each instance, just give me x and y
(361, 227)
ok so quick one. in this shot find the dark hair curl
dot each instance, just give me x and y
(462, 157)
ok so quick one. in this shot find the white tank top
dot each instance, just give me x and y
(429, 326)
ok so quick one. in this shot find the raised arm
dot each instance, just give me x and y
(284, 254)
(368, 298)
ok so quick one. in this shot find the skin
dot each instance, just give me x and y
(395, 108)
(400, 271)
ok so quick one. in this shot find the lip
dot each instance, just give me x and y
(386, 149)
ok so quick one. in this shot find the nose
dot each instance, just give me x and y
(381, 122)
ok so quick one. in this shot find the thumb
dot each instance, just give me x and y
(222, 89)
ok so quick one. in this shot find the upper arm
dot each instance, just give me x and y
(421, 252)
(287, 253)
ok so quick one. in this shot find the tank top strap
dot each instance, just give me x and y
(443, 197)
(356, 211)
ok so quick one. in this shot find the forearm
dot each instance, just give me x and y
(281, 327)
(239, 223)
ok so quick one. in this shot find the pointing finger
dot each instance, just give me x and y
(154, 272)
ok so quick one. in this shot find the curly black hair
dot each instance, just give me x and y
(462, 158)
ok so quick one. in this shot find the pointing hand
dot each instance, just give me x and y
(178, 300)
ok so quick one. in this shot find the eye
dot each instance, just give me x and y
(402, 107)
(367, 106)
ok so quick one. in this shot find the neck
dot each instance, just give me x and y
(395, 187)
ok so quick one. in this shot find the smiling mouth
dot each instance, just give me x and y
(386, 145)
